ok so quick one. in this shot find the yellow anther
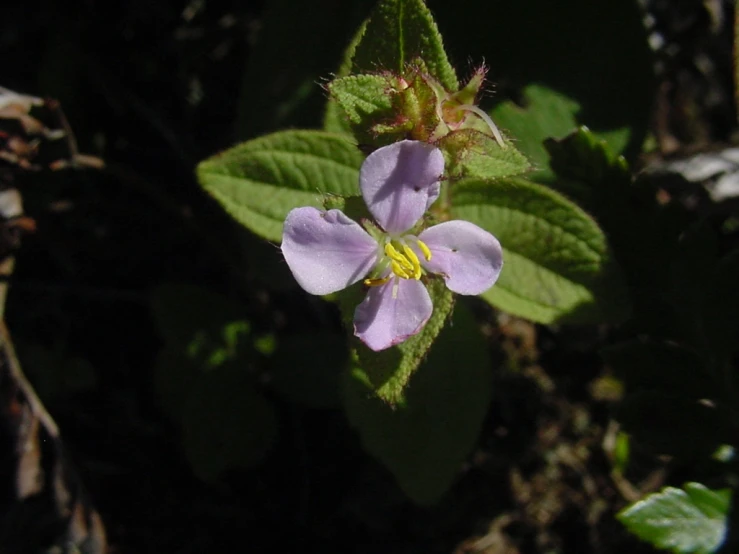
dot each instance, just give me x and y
(393, 254)
(411, 255)
(377, 282)
(399, 270)
(424, 249)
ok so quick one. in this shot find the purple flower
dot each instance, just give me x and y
(327, 251)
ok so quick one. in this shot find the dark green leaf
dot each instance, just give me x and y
(546, 114)
(424, 439)
(588, 172)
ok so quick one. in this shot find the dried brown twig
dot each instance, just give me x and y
(43, 504)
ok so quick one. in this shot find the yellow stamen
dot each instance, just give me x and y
(377, 282)
(424, 249)
(411, 255)
(400, 271)
(393, 254)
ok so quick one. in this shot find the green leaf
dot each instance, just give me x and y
(590, 173)
(260, 181)
(399, 31)
(314, 384)
(226, 423)
(365, 100)
(558, 266)
(546, 114)
(471, 153)
(689, 521)
(660, 366)
(388, 371)
(362, 96)
(424, 440)
(663, 423)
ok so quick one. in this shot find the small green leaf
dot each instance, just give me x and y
(546, 114)
(260, 181)
(226, 423)
(689, 521)
(424, 440)
(663, 423)
(399, 31)
(557, 263)
(365, 99)
(471, 153)
(388, 371)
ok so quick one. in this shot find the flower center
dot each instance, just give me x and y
(402, 261)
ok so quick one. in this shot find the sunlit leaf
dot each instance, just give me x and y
(398, 31)
(260, 181)
(689, 521)
(557, 262)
